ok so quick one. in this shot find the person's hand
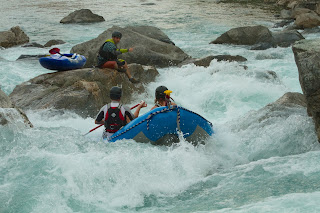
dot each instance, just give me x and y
(142, 104)
(130, 49)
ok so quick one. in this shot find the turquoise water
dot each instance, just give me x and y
(250, 165)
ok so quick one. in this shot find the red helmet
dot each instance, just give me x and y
(54, 50)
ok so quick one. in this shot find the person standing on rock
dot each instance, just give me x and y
(114, 115)
(108, 56)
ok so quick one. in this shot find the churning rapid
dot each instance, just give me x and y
(259, 160)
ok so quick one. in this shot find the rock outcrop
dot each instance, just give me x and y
(14, 36)
(304, 12)
(307, 57)
(82, 16)
(83, 91)
(151, 47)
(9, 114)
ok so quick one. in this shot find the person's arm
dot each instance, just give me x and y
(129, 115)
(141, 105)
(155, 106)
(125, 50)
(99, 119)
(128, 119)
(100, 116)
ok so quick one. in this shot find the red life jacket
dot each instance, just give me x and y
(114, 119)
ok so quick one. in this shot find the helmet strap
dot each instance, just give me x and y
(167, 100)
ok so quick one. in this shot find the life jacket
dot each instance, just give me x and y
(114, 119)
(167, 101)
(108, 56)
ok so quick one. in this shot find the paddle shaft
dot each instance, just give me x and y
(103, 124)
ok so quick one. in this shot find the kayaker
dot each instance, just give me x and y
(55, 53)
(115, 115)
(108, 56)
(163, 98)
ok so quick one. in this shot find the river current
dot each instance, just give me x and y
(247, 166)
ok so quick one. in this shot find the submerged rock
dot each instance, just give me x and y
(283, 23)
(148, 4)
(82, 16)
(5, 101)
(286, 38)
(33, 44)
(9, 114)
(267, 75)
(34, 57)
(284, 107)
(54, 42)
(307, 57)
(311, 30)
(149, 48)
(205, 62)
(83, 91)
(281, 128)
(14, 36)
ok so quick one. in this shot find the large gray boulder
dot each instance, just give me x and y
(258, 36)
(151, 47)
(14, 36)
(9, 114)
(307, 57)
(245, 36)
(83, 91)
(82, 16)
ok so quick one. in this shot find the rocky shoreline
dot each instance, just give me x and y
(272, 7)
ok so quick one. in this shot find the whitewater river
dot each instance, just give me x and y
(248, 166)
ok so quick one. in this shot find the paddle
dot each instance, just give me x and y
(103, 124)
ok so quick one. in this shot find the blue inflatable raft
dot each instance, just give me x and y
(63, 62)
(162, 125)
